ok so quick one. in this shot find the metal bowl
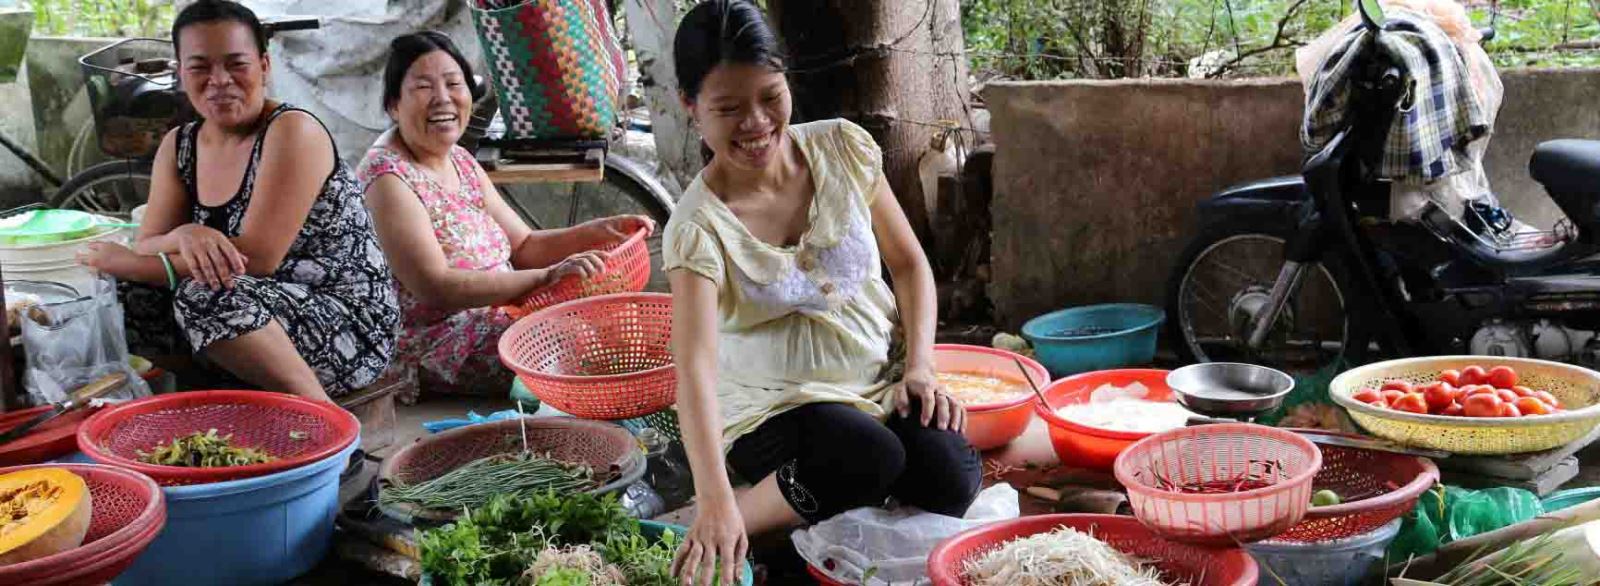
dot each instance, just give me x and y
(1228, 389)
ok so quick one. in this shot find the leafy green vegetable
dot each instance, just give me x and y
(494, 545)
(204, 450)
(563, 577)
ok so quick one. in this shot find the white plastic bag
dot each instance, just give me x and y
(894, 542)
(76, 343)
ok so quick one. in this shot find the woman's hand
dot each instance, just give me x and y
(109, 258)
(211, 257)
(716, 535)
(619, 228)
(584, 265)
(938, 409)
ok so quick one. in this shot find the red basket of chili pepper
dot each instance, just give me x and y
(1223, 484)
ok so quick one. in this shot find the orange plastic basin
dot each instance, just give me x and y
(1082, 446)
(993, 425)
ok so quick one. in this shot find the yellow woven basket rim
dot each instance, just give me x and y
(1344, 386)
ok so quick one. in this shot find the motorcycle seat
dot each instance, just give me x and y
(1569, 169)
(1509, 261)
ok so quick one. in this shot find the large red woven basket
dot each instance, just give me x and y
(293, 430)
(606, 448)
(1178, 562)
(1377, 488)
(606, 357)
(129, 510)
(627, 270)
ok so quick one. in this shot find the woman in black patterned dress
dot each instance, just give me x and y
(256, 245)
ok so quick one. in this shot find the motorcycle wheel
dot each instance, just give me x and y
(1222, 280)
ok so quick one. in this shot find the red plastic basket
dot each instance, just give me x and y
(606, 357)
(294, 430)
(1177, 562)
(129, 510)
(627, 270)
(1385, 486)
(50, 440)
(1220, 453)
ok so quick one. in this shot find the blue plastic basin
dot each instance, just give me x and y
(263, 530)
(1095, 337)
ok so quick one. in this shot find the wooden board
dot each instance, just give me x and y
(1543, 484)
(548, 166)
(1517, 466)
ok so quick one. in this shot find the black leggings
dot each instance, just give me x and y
(831, 458)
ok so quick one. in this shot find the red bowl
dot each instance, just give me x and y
(1082, 446)
(264, 420)
(1177, 562)
(993, 425)
(129, 512)
(50, 440)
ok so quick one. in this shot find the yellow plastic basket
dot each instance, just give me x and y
(1578, 389)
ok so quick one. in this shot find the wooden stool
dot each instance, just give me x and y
(373, 406)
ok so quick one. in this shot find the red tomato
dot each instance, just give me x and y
(1479, 390)
(1391, 395)
(1454, 410)
(1412, 403)
(1521, 391)
(1548, 398)
(1451, 376)
(1509, 410)
(1507, 396)
(1484, 405)
(1532, 406)
(1473, 375)
(1397, 385)
(1502, 377)
(1369, 397)
(1439, 396)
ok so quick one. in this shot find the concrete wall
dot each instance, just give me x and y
(1096, 181)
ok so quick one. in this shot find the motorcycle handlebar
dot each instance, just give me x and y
(292, 24)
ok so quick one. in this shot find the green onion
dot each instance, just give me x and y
(472, 485)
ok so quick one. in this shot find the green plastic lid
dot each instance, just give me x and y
(49, 226)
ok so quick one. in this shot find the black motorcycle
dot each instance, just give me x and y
(1296, 272)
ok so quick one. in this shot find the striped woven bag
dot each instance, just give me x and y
(556, 66)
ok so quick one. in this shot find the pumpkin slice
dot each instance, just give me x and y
(43, 511)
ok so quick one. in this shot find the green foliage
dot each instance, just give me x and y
(496, 543)
(1054, 39)
(102, 18)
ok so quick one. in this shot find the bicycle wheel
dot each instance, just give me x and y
(112, 188)
(626, 189)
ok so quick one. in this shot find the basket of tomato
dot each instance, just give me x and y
(1472, 404)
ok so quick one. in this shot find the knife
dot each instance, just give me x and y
(78, 399)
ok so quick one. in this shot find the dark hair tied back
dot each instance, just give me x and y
(721, 31)
(406, 49)
(207, 11)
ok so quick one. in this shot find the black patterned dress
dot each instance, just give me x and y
(333, 293)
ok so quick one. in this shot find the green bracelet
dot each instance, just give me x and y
(172, 275)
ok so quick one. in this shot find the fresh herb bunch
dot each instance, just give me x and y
(204, 450)
(495, 544)
(1525, 563)
(472, 485)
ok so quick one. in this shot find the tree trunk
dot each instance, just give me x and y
(896, 67)
(651, 24)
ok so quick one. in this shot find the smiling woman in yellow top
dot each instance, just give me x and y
(784, 329)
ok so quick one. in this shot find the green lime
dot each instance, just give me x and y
(1324, 498)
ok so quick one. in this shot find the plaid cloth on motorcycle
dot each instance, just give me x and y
(1438, 114)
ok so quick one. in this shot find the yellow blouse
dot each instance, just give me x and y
(811, 323)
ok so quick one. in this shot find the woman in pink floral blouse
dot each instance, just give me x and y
(456, 248)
